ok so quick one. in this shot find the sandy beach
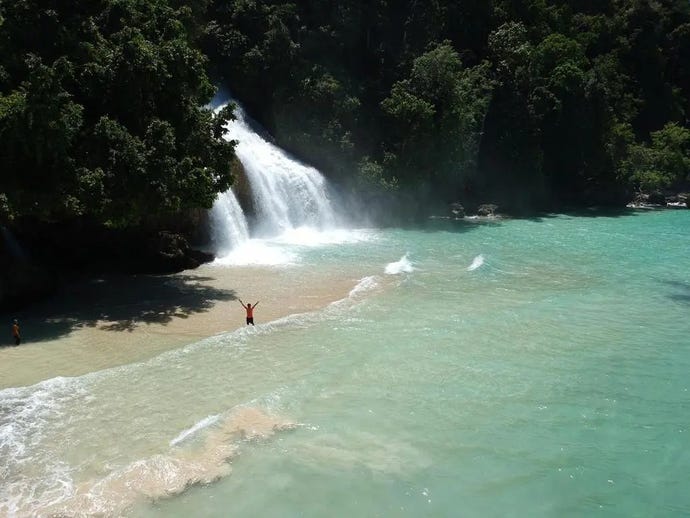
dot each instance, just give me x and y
(101, 322)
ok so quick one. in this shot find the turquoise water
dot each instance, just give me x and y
(515, 368)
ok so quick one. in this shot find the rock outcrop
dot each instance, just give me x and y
(457, 211)
(487, 210)
(22, 283)
(660, 200)
(168, 252)
(34, 254)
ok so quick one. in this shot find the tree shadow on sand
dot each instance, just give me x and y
(120, 303)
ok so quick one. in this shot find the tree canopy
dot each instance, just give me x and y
(531, 103)
(102, 111)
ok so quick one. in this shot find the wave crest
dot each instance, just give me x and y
(477, 262)
(402, 266)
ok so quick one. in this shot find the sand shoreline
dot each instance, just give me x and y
(108, 321)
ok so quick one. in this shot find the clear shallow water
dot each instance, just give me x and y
(547, 377)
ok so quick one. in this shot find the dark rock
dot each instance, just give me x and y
(22, 283)
(656, 198)
(199, 257)
(168, 252)
(85, 246)
(457, 210)
(669, 199)
(487, 210)
(640, 199)
(35, 254)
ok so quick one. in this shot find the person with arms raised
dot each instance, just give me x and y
(250, 311)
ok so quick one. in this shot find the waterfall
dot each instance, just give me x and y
(229, 227)
(286, 193)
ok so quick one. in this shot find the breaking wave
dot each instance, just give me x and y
(166, 474)
(477, 262)
(402, 266)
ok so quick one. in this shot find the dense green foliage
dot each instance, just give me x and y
(526, 102)
(101, 111)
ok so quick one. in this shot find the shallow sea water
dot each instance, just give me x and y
(513, 368)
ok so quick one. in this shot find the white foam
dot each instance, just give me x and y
(258, 252)
(26, 414)
(364, 285)
(477, 262)
(402, 266)
(24, 409)
(284, 249)
(310, 236)
(207, 421)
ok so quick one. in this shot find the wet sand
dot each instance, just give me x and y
(108, 321)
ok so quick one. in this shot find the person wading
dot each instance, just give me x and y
(250, 311)
(17, 336)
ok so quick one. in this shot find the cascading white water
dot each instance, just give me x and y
(286, 194)
(229, 227)
(290, 201)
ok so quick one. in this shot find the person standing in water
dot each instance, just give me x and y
(250, 311)
(17, 336)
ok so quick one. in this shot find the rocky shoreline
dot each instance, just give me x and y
(458, 211)
(660, 201)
